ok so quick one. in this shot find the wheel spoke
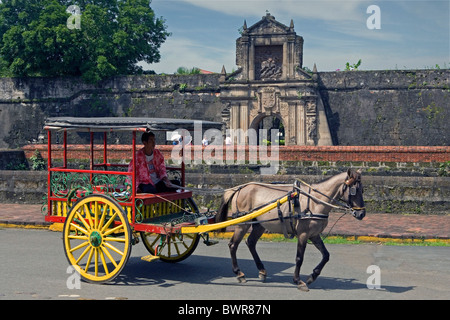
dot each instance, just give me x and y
(80, 217)
(96, 262)
(88, 263)
(169, 249)
(106, 226)
(115, 239)
(88, 214)
(108, 245)
(82, 255)
(95, 214)
(154, 242)
(102, 218)
(184, 244)
(110, 256)
(79, 228)
(102, 257)
(176, 248)
(78, 237)
(107, 233)
(82, 245)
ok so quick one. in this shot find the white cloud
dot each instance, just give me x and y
(183, 52)
(326, 10)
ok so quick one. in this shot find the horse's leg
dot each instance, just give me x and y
(301, 246)
(257, 232)
(318, 243)
(237, 237)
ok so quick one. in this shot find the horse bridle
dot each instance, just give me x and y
(351, 184)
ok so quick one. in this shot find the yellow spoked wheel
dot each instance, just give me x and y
(173, 247)
(97, 238)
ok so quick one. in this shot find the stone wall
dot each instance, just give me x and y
(398, 108)
(381, 108)
(384, 192)
(25, 103)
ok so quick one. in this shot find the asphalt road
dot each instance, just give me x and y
(33, 266)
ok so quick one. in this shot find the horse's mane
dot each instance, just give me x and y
(328, 179)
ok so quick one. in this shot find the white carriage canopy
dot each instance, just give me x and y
(127, 123)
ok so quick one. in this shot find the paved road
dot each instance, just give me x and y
(34, 267)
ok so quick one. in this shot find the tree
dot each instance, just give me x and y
(184, 70)
(114, 35)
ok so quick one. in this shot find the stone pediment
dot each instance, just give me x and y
(268, 51)
(268, 25)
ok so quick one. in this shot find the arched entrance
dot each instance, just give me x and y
(269, 129)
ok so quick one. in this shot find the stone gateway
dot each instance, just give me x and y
(270, 83)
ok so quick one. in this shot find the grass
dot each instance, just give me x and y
(351, 240)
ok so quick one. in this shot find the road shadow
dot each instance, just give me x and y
(327, 284)
(198, 269)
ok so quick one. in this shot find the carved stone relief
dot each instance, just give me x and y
(268, 62)
(268, 99)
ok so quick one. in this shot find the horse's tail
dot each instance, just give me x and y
(228, 195)
(223, 209)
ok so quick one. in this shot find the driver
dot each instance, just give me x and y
(151, 176)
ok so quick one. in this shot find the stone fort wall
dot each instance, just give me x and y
(363, 108)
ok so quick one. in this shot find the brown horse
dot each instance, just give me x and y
(305, 217)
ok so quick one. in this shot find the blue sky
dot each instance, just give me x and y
(414, 34)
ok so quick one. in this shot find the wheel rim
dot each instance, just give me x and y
(97, 238)
(173, 247)
(170, 248)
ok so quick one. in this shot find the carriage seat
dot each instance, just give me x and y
(147, 197)
(164, 196)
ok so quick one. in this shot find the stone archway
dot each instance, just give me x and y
(263, 126)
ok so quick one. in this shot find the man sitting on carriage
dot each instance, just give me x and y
(151, 176)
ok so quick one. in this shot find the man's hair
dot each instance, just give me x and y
(146, 136)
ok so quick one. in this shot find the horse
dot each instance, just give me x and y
(309, 217)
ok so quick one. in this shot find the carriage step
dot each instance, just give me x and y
(207, 240)
(210, 242)
(150, 258)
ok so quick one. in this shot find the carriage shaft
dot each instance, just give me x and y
(245, 218)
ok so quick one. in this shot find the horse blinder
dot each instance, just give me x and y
(357, 212)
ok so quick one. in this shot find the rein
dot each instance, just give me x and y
(342, 205)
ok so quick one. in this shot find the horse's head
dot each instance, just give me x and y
(353, 191)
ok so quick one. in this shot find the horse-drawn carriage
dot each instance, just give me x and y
(104, 215)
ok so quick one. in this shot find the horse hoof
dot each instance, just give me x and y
(241, 278)
(311, 279)
(302, 287)
(263, 275)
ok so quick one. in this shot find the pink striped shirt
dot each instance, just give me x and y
(142, 170)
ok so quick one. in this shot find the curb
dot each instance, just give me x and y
(24, 225)
(58, 227)
(365, 239)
